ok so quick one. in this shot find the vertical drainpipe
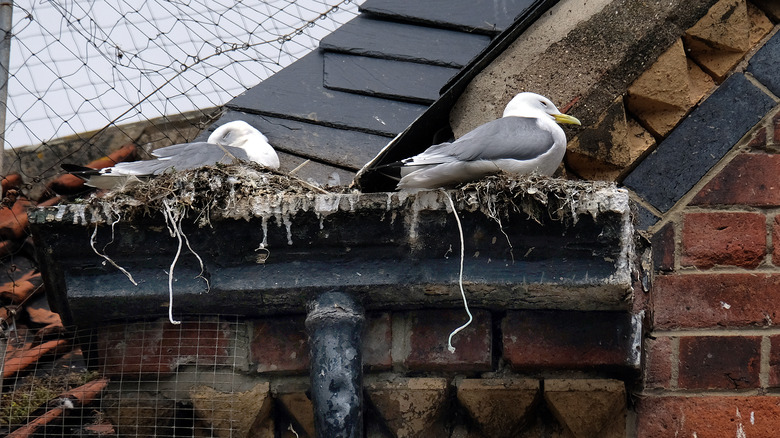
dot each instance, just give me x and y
(6, 22)
(335, 328)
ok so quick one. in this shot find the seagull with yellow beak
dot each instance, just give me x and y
(525, 140)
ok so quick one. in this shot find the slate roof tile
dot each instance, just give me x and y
(485, 16)
(298, 93)
(405, 42)
(406, 81)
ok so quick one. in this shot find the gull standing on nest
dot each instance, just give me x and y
(526, 139)
(231, 141)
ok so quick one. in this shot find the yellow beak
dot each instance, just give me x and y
(565, 118)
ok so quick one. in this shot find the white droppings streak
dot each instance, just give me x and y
(79, 214)
(740, 428)
(61, 209)
(424, 200)
(326, 204)
(264, 224)
(288, 227)
(725, 305)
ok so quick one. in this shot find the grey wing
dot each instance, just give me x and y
(181, 157)
(519, 138)
(197, 148)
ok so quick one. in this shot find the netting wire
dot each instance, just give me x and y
(77, 68)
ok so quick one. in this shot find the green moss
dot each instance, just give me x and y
(17, 405)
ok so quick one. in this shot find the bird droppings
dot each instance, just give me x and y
(247, 191)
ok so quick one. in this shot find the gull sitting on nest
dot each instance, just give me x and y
(526, 139)
(231, 141)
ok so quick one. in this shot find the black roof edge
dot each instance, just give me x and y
(418, 135)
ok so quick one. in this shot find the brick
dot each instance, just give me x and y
(776, 241)
(774, 361)
(658, 362)
(280, 345)
(298, 406)
(725, 239)
(140, 413)
(605, 149)
(538, 340)
(770, 7)
(700, 141)
(719, 362)
(758, 141)
(663, 244)
(776, 128)
(664, 93)
(749, 179)
(232, 413)
(588, 407)
(644, 217)
(723, 36)
(765, 64)
(760, 24)
(715, 300)
(425, 340)
(158, 348)
(499, 406)
(377, 340)
(708, 416)
(409, 407)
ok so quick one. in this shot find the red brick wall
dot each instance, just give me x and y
(413, 340)
(711, 364)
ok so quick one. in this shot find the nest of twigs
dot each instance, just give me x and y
(536, 196)
(203, 190)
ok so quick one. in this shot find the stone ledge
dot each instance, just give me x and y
(394, 250)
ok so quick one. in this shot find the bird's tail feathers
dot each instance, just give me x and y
(82, 172)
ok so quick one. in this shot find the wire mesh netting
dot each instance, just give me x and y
(139, 379)
(86, 75)
(85, 78)
(78, 66)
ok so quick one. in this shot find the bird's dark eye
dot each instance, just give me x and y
(544, 104)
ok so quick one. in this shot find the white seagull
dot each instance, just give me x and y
(524, 140)
(233, 140)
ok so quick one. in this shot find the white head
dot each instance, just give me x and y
(535, 105)
(242, 135)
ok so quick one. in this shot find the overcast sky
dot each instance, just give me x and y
(78, 65)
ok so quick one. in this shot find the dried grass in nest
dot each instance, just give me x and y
(536, 196)
(201, 190)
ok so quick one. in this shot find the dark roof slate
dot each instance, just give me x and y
(405, 42)
(298, 92)
(391, 79)
(487, 16)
